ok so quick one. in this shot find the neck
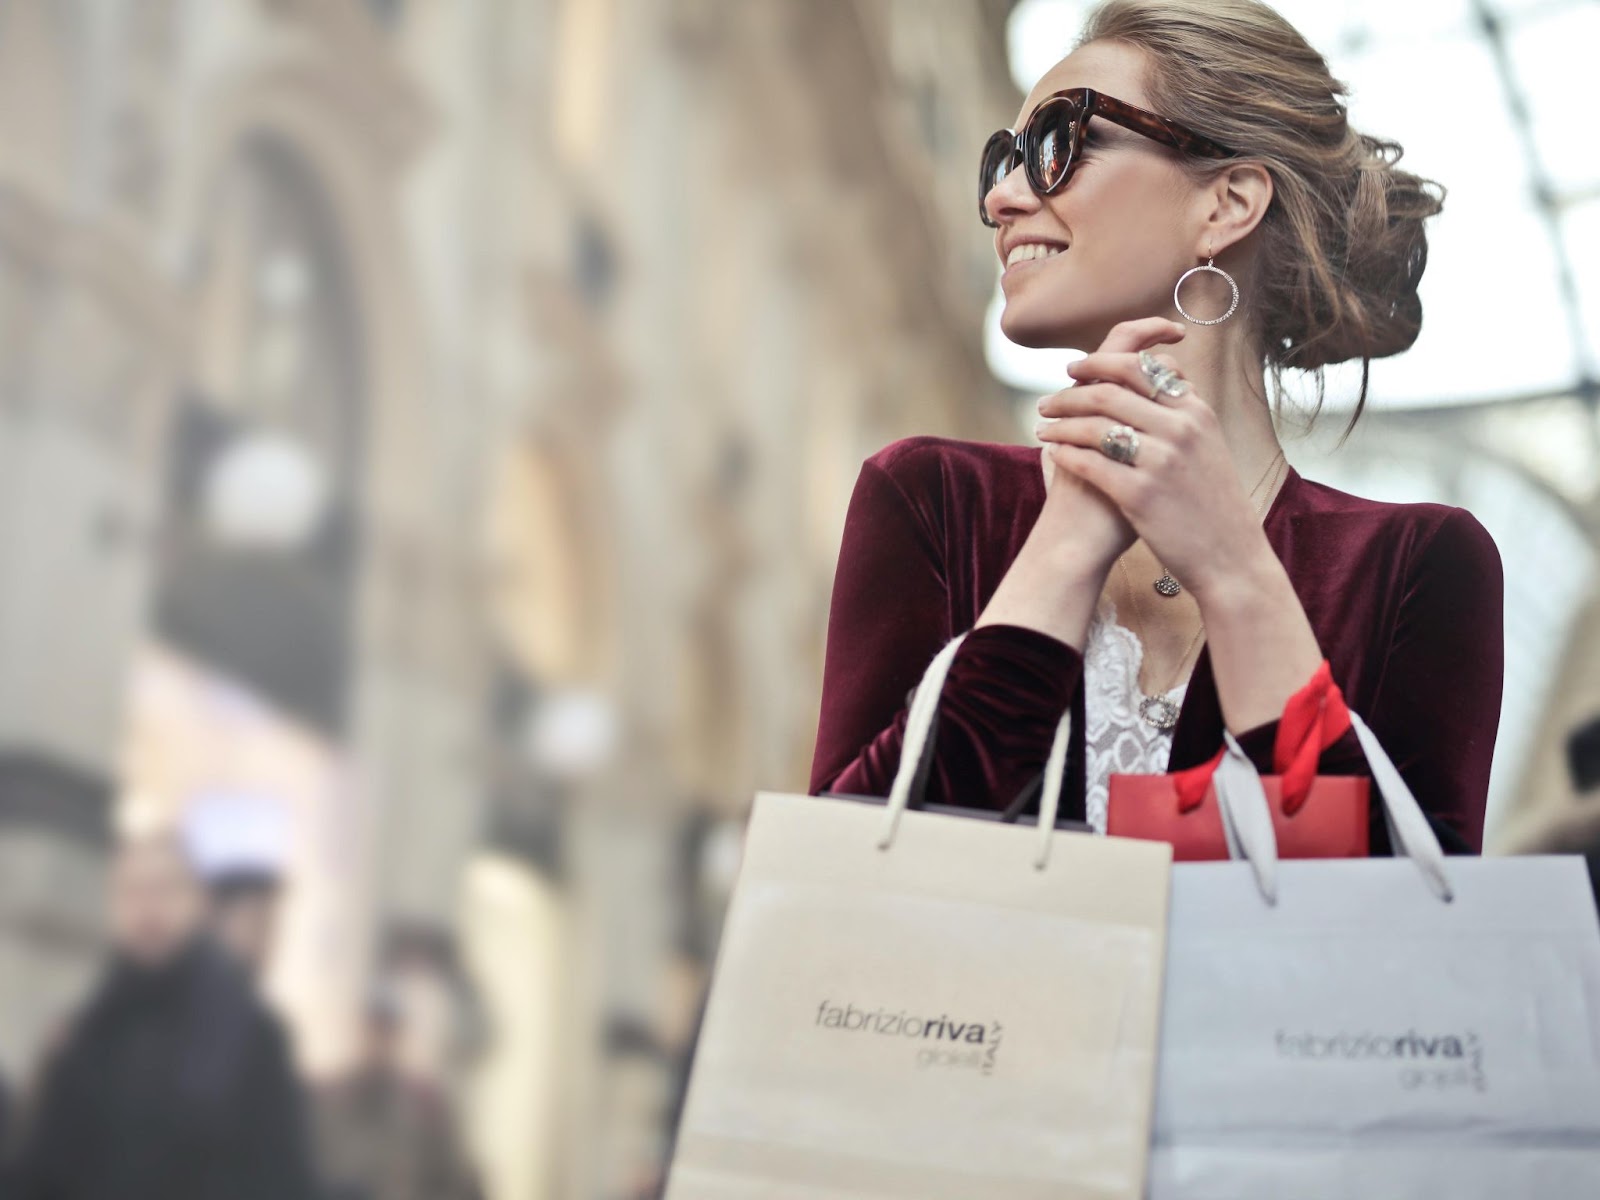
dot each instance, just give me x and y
(1225, 371)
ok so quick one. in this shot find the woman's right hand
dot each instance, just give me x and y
(1054, 583)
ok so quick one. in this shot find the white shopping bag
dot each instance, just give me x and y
(1377, 1028)
(912, 1005)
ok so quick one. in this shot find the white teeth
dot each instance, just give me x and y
(1030, 250)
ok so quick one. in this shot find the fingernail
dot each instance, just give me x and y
(1040, 428)
(1043, 400)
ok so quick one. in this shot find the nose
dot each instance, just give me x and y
(1011, 197)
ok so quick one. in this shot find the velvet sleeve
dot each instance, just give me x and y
(891, 614)
(1437, 708)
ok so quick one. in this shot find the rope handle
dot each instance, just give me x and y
(918, 734)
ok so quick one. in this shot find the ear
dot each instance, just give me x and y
(1232, 205)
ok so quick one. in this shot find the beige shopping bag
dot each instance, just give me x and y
(917, 1005)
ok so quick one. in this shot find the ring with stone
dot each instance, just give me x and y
(1171, 385)
(1120, 443)
(1163, 380)
(1152, 367)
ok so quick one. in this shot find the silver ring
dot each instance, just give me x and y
(1171, 385)
(1163, 380)
(1120, 443)
(1153, 369)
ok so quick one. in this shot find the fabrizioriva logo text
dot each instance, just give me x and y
(941, 1041)
(1441, 1061)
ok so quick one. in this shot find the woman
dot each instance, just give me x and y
(1158, 566)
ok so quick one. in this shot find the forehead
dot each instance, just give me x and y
(1114, 68)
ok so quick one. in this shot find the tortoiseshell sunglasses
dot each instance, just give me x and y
(1048, 144)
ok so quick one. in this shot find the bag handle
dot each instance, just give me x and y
(1314, 718)
(1247, 822)
(919, 731)
(1246, 816)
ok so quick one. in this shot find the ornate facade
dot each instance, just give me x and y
(567, 324)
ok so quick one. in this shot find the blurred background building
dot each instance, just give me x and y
(426, 427)
(425, 432)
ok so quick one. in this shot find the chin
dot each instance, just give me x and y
(1055, 333)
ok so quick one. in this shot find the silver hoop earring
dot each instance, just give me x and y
(1215, 270)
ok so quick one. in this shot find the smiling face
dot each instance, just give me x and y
(1108, 245)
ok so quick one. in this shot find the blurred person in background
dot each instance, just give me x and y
(1574, 830)
(1184, 199)
(243, 916)
(383, 1134)
(174, 1082)
(240, 845)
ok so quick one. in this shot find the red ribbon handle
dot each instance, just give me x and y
(1313, 719)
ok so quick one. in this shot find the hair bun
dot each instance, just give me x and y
(1342, 247)
(1378, 250)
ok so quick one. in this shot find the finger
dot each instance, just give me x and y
(1075, 431)
(1109, 400)
(1132, 336)
(1121, 369)
(1095, 469)
(1124, 367)
(1126, 370)
(1088, 434)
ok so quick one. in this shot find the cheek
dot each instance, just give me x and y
(1126, 224)
(1116, 272)
(1128, 267)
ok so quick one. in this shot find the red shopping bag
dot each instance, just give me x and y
(1314, 816)
(1332, 823)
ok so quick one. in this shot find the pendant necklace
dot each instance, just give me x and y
(1158, 710)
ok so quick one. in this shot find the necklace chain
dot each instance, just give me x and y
(1157, 709)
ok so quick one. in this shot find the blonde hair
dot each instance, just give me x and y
(1342, 246)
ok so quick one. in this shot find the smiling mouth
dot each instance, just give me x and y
(1032, 252)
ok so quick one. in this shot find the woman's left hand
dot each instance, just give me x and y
(1182, 492)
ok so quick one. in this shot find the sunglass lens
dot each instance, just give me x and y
(996, 161)
(997, 158)
(1055, 136)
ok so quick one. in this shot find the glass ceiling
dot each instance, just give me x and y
(1492, 98)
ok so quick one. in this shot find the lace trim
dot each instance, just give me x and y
(1117, 740)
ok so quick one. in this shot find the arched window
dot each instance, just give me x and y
(265, 457)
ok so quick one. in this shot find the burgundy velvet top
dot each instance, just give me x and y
(1405, 601)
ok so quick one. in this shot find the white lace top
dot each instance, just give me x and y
(1118, 740)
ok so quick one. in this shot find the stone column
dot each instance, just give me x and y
(85, 373)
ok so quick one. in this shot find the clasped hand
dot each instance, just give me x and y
(1182, 492)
